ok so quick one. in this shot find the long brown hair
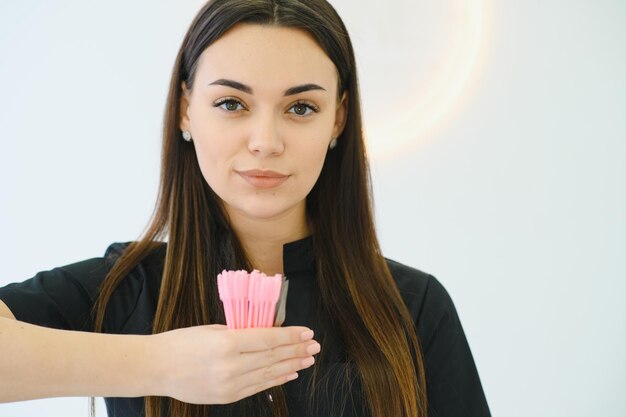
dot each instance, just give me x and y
(356, 287)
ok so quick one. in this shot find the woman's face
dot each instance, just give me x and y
(262, 113)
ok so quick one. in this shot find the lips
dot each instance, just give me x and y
(261, 173)
(263, 179)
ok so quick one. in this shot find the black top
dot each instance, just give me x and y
(63, 297)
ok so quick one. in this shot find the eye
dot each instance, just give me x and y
(303, 109)
(231, 105)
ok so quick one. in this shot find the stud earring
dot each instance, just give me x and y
(187, 135)
(333, 143)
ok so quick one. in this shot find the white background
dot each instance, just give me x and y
(514, 197)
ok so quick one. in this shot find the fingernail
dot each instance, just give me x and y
(308, 362)
(313, 348)
(292, 376)
(306, 335)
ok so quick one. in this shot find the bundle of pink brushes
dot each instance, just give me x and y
(252, 299)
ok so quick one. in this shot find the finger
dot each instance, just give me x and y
(254, 360)
(255, 388)
(217, 326)
(270, 373)
(259, 339)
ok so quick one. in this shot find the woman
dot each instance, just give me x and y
(264, 167)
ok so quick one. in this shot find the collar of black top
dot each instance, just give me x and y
(298, 256)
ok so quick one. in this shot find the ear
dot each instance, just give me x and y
(183, 108)
(341, 115)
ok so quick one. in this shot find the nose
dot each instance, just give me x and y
(265, 138)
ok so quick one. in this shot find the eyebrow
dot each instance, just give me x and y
(288, 92)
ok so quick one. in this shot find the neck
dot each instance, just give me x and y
(263, 239)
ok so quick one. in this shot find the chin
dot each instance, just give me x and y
(263, 213)
(264, 210)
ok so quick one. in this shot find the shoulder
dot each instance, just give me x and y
(150, 265)
(410, 280)
(138, 291)
(425, 296)
(414, 283)
(156, 253)
(148, 268)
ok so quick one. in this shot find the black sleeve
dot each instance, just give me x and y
(452, 382)
(63, 297)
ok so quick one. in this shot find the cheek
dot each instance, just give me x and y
(215, 153)
(311, 162)
(213, 143)
(310, 146)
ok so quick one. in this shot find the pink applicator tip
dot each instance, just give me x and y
(249, 299)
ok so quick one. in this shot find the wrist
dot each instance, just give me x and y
(156, 365)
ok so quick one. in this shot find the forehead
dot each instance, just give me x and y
(267, 58)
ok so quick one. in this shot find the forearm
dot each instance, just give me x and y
(37, 362)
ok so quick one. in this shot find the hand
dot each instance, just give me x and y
(214, 365)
